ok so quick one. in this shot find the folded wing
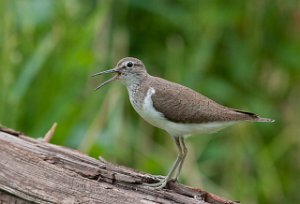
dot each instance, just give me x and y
(183, 105)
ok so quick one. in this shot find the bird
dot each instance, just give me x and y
(177, 109)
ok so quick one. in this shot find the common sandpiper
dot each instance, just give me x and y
(178, 110)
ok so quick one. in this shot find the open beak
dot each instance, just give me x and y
(114, 70)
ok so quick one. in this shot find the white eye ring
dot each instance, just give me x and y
(129, 64)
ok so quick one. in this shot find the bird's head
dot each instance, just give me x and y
(129, 70)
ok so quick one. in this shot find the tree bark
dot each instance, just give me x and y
(36, 171)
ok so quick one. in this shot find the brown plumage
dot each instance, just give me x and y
(183, 105)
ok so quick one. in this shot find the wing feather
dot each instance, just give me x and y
(183, 105)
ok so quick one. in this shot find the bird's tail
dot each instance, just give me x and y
(264, 120)
(254, 117)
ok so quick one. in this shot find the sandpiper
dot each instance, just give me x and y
(178, 110)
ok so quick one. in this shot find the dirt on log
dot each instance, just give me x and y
(34, 171)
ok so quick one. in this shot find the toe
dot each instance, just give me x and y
(159, 185)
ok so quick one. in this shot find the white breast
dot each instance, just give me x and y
(152, 116)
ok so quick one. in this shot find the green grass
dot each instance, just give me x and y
(243, 54)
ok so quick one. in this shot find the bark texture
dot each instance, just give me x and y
(34, 171)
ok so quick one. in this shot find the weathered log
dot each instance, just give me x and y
(36, 171)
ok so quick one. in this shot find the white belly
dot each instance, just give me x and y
(155, 118)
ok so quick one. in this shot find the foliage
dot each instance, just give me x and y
(243, 54)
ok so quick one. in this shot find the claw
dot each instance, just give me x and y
(159, 185)
(161, 182)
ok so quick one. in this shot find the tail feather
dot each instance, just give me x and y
(264, 120)
(255, 117)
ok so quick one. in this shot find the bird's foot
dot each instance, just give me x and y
(161, 182)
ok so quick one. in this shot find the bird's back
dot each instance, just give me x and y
(180, 104)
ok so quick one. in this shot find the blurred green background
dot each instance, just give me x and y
(243, 54)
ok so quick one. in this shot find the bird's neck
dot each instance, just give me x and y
(134, 82)
(136, 91)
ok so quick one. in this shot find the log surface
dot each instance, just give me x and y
(35, 171)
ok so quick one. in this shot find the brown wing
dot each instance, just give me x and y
(183, 105)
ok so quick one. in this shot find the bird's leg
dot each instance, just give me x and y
(184, 152)
(163, 182)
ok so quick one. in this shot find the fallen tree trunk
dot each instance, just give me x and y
(36, 171)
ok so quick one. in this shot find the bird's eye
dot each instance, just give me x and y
(129, 64)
